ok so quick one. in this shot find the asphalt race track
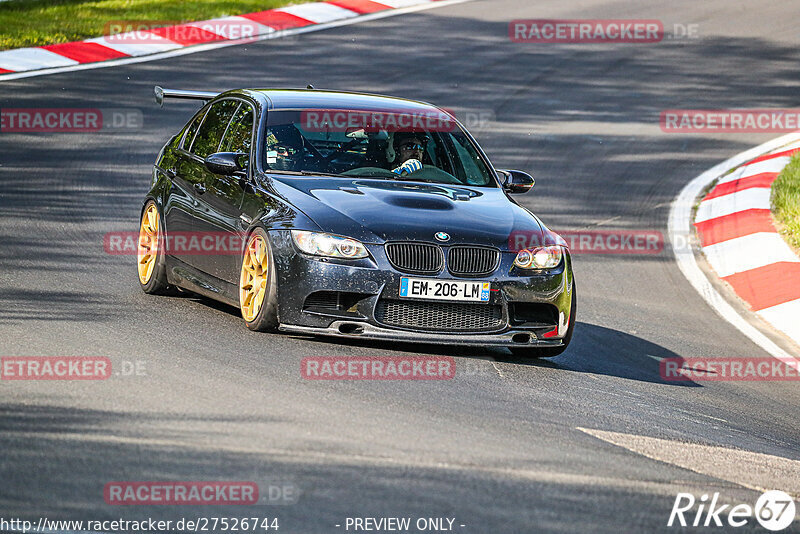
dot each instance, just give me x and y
(500, 448)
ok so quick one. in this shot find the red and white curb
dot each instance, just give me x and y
(736, 233)
(202, 35)
(741, 244)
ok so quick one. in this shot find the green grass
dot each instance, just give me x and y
(786, 201)
(42, 22)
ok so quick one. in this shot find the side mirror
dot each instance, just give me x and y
(225, 163)
(516, 182)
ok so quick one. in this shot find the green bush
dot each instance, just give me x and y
(785, 201)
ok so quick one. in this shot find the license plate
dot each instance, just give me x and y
(429, 288)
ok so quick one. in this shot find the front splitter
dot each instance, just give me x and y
(356, 330)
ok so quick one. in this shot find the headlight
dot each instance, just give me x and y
(332, 246)
(539, 258)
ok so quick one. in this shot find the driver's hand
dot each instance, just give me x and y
(411, 165)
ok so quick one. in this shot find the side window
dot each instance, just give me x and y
(192, 129)
(210, 133)
(239, 137)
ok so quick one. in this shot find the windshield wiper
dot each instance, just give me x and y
(400, 179)
(307, 173)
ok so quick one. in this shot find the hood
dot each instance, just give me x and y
(375, 211)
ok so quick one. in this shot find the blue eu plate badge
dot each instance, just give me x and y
(485, 291)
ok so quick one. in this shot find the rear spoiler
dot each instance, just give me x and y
(162, 93)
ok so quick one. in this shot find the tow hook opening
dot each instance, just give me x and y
(521, 338)
(351, 329)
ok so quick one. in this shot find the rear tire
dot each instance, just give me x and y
(550, 352)
(150, 252)
(258, 295)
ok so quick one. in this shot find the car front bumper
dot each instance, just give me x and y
(373, 281)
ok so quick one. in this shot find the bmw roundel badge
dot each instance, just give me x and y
(442, 236)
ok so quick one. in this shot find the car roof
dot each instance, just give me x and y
(319, 99)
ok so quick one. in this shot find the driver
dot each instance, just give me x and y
(408, 151)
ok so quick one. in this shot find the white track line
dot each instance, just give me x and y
(679, 228)
(754, 470)
(221, 44)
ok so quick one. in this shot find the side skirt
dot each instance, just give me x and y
(187, 277)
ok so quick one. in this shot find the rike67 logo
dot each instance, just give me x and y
(774, 510)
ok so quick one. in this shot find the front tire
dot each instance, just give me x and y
(258, 298)
(550, 352)
(150, 252)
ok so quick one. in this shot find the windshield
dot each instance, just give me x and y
(393, 146)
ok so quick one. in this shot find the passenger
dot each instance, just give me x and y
(284, 148)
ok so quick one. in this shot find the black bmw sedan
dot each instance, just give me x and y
(352, 215)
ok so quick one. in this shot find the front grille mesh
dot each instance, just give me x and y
(457, 317)
(415, 257)
(323, 299)
(336, 301)
(472, 261)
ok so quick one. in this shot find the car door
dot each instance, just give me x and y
(223, 199)
(182, 204)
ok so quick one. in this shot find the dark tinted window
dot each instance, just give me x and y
(239, 135)
(210, 133)
(191, 130)
(374, 144)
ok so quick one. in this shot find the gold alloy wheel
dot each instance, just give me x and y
(148, 243)
(254, 278)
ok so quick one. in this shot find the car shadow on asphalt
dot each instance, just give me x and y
(601, 350)
(595, 349)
